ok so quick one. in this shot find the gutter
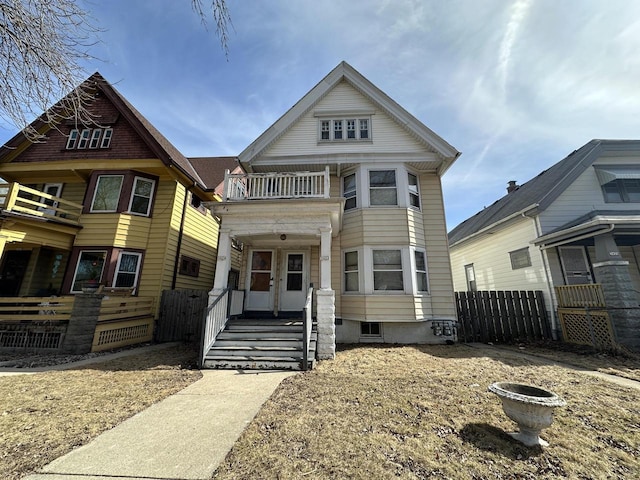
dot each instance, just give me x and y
(520, 213)
(595, 233)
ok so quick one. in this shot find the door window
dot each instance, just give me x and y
(294, 271)
(260, 271)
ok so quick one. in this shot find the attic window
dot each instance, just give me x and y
(346, 129)
(89, 138)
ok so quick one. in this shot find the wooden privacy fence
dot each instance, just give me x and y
(502, 316)
(181, 315)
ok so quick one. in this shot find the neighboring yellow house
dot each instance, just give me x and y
(115, 203)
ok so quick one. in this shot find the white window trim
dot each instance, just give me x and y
(94, 142)
(95, 190)
(75, 273)
(83, 139)
(414, 271)
(133, 190)
(357, 193)
(344, 117)
(137, 274)
(361, 272)
(72, 140)
(419, 194)
(398, 186)
(106, 138)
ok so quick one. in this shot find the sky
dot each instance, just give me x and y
(513, 85)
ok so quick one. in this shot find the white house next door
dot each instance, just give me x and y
(260, 281)
(293, 281)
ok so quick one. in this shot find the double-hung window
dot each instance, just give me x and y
(141, 196)
(414, 192)
(107, 193)
(349, 191)
(127, 269)
(382, 187)
(421, 272)
(387, 270)
(351, 276)
(84, 138)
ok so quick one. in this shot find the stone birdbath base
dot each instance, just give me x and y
(530, 407)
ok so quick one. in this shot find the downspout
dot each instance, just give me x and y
(547, 274)
(180, 235)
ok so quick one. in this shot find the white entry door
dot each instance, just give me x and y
(294, 281)
(575, 265)
(260, 280)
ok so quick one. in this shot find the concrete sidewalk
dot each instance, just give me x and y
(185, 436)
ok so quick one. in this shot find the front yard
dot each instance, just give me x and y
(424, 412)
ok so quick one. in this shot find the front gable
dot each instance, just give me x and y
(341, 103)
(295, 140)
(124, 142)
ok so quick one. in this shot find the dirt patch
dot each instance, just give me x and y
(424, 412)
(45, 415)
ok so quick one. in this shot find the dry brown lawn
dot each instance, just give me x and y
(45, 415)
(424, 412)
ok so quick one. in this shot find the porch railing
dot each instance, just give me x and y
(123, 321)
(18, 198)
(307, 328)
(269, 186)
(586, 295)
(215, 320)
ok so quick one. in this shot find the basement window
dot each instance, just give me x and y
(370, 329)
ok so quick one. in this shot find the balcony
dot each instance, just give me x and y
(25, 201)
(272, 186)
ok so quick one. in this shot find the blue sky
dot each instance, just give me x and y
(514, 85)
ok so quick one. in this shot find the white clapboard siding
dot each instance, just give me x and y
(302, 138)
(489, 255)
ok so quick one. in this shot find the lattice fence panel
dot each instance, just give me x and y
(29, 337)
(587, 328)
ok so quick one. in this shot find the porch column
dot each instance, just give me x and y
(326, 301)
(325, 258)
(622, 301)
(223, 264)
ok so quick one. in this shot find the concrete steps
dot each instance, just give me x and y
(271, 344)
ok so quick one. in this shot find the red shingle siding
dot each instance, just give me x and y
(125, 142)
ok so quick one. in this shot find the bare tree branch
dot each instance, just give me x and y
(221, 17)
(43, 45)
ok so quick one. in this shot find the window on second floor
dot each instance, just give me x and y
(91, 138)
(122, 192)
(622, 190)
(349, 191)
(382, 187)
(414, 192)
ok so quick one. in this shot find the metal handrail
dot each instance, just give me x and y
(215, 319)
(307, 317)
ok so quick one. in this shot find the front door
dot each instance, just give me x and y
(260, 281)
(575, 265)
(54, 189)
(12, 272)
(293, 284)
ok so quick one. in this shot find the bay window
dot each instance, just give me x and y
(421, 271)
(107, 193)
(123, 192)
(127, 269)
(351, 277)
(89, 268)
(387, 270)
(349, 191)
(382, 187)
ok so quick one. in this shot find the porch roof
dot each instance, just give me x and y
(590, 225)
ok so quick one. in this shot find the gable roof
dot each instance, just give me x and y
(158, 143)
(538, 193)
(346, 72)
(211, 169)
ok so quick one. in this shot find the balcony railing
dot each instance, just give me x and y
(20, 199)
(270, 186)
